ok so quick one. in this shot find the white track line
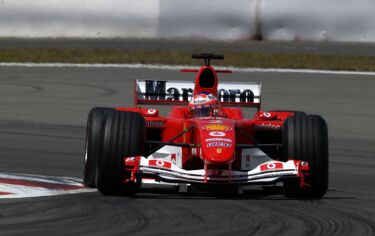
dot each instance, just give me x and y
(179, 67)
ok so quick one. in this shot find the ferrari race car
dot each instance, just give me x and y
(205, 143)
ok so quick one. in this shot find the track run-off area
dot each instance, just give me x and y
(43, 112)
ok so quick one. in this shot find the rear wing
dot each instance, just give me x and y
(242, 94)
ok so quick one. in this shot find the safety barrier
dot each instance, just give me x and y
(318, 20)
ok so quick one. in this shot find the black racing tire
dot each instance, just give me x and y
(305, 138)
(93, 128)
(123, 134)
(296, 113)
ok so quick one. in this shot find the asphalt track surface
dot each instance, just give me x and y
(42, 127)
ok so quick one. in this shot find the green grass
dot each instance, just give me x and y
(176, 57)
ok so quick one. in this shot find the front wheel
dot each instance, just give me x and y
(305, 138)
(123, 135)
(93, 129)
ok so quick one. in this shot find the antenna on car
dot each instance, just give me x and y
(207, 57)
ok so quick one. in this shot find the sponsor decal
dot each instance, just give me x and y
(219, 139)
(216, 134)
(219, 144)
(163, 90)
(156, 124)
(265, 126)
(129, 159)
(217, 127)
(271, 166)
(202, 98)
(160, 163)
(173, 158)
(267, 114)
(152, 111)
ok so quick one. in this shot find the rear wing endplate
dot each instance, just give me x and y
(152, 92)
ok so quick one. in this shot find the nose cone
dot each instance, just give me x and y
(217, 140)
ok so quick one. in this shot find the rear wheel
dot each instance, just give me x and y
(123, 134)
(94, 124)
(305, 138)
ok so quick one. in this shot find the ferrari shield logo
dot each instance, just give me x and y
(218, 150)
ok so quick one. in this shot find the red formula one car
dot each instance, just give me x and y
(205, 143)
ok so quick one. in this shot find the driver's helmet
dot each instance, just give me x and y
(204, 105)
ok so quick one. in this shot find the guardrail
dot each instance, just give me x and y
(318, 20)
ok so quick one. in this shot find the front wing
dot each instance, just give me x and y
(269, 172)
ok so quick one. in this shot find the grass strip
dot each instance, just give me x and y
(176, 57)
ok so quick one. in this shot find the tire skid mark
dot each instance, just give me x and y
(142, 221)
(40, 135)
(102, 90)
(270, 220)
(319, 220)
(33, 89)
(106, 90)
(39, 87)
(7, 128)
(182, 219)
